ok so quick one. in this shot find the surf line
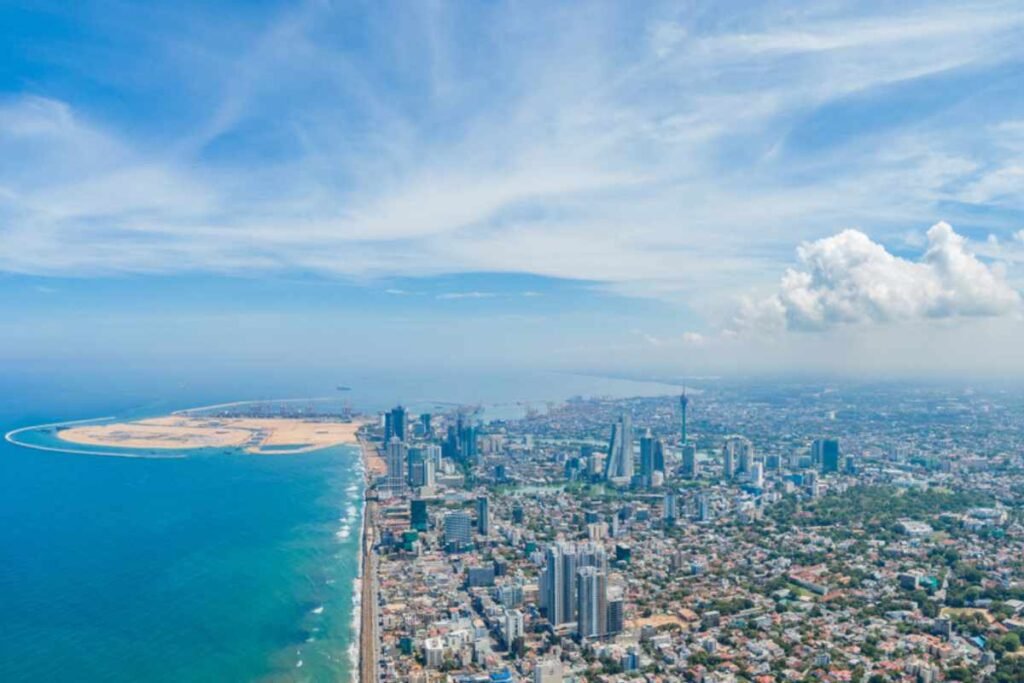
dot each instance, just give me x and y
(10, 437)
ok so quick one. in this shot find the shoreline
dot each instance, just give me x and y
(367, 635)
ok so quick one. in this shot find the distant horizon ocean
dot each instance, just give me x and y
(215, 567)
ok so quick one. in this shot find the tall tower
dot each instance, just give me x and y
(483, 516)
(592, 603)
(683, 402)
(619, 464)
(396, 464)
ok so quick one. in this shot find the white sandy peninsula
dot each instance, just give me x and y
(253, 435)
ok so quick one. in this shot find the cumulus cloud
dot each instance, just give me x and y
(850, 279)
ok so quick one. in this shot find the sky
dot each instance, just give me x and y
(674, 188)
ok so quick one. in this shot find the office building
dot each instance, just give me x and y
(395, 423)
(616, 616)
(691, 468)
(619, 463)
(432, 452)
(396, 469)
(647, 457)
(825, 455)
(670, 507)
(458, 530)
(737, 456)
(483, 516)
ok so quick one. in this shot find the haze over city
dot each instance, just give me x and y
(661, 188)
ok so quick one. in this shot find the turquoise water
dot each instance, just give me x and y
(211, 568)
(219, 567)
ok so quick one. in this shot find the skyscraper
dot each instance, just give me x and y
(559, 581)
(647, 457)
(619, 464)
(421, 469)
(691, 468)
(483, 516)
(704, 507)
(395, 422)
(553, 586)
(825, 454)
(395, 481)
(670, 507)
(616, 616)
(592, 602)
(737, 455)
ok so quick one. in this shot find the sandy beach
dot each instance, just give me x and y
(253, 435)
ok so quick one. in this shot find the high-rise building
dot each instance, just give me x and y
(704, 508)
(468, 442)
(395, 460)
(616, 616)
(458, 529)
(756, 475)
(670, 507)
(619, 464)
(825, 454)
(513, 626)
(425, 424)
(421, 470)
(483, 516)
(684, 402)
(737, 453)
(559, 582)
(552, 586)
(432, 452)
(691, 468)
(647, 467)
(592, 603)
(418, 518)
(395, 423)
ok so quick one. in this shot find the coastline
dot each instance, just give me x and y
(367, 630)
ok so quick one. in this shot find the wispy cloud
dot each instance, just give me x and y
(466, 295)
(678, 155)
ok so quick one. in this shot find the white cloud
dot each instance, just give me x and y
(694, 339)
(466, 295)
(666, 172)
(850, 279)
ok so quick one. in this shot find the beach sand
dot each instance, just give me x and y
(253, 435)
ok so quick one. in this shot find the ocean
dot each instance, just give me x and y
(226, 567)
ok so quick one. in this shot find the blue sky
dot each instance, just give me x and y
(675, 187)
